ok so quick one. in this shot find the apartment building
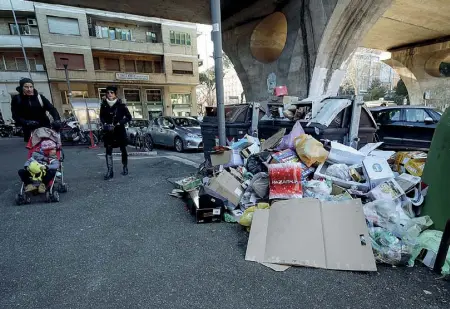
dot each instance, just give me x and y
(153, 62)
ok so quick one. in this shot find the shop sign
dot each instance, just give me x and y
(132, 76)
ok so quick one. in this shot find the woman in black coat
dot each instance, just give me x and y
(114, 115)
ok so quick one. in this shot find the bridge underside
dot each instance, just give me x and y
(307, 49)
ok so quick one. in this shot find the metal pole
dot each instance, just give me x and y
(69, 90)
(218, 66)
(21, 42)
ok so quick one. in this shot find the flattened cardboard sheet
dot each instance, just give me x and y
(257, 240)
(306, 232)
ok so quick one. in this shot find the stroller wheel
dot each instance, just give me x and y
(20, 199)
(48, 198)
(63, 188)
(55, 197)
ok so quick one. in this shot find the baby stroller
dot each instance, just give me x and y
(57, 184)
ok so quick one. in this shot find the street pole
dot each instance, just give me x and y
(69, 91)
(218, 67)
(21, 42)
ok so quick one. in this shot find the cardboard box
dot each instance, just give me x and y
(210, 199)
(389, 190)
(227, 186)
(363, 187)
(342, 154)
(412, 162)
(208, 215)
(307, 232)
(248, 151)
(377, 171)
(188, 184)
(221, 158)
(285, 156)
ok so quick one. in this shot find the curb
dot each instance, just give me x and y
(143, 153)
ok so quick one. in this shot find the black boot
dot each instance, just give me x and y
(109, 164)
(125, 170)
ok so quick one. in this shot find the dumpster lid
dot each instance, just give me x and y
(330, 109)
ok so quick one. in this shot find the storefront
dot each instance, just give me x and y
(181, 104)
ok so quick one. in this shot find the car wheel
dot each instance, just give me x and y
(179, 144)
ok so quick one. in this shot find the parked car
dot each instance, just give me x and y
(182, 133)
(133, 127)
(406, 127)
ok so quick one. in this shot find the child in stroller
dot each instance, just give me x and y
(43, 166)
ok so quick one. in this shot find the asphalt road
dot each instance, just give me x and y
(126, 244)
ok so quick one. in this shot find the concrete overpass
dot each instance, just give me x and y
(306, 43)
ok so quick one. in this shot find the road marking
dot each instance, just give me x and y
(173, 158)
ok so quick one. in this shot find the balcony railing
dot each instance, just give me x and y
(13, 41)
(128, 46)
(15, 76)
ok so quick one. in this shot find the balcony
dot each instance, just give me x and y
(139, 78)
(127, 46)
(13, 41)
(15, 76)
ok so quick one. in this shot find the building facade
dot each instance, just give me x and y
(153, 62)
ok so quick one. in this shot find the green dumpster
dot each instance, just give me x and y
(437, 174)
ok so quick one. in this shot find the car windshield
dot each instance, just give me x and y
(138, 123)
(186, 122)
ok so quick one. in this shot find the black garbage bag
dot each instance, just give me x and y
(256, 163)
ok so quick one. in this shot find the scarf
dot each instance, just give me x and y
(111, 103)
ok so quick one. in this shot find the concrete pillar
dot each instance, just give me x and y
(419, 69)
(321, 35)
(194, 107)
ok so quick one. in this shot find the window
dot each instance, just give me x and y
(24, 29)
(389, 116)
(181, 99)
(75, 61)
(96, 63)
(130, 66)
(144, 66)
(151, 37)
(154, 95)
(75, 94)
(61, 25)
(186, 122)
(132, 95)
(181, 67)
(101, 93)
(112, 64)
(180, 38)
(21, 65)
(416, 115)
(158, 67)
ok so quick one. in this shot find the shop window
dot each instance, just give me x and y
(101, 93)
(180, 99)
(112, 64)
(154, 95)
(132, 95)
(75, 94)
(75, 61)
(182, 67)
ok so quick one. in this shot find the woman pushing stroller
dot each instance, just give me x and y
(114, 114)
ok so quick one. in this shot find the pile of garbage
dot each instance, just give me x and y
(318, 203)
